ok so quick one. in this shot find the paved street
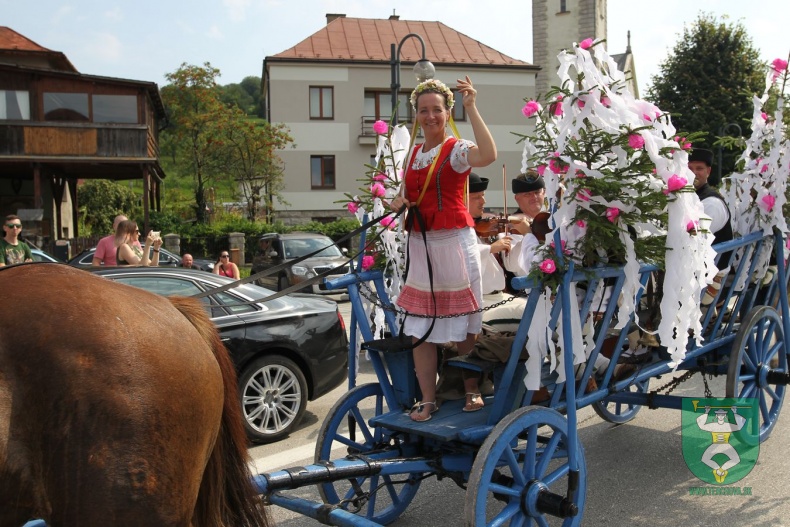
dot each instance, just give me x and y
(636, 472)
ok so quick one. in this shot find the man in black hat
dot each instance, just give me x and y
(700, 161)
(491, 271)
(529, 190)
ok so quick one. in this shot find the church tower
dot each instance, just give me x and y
(556, 25)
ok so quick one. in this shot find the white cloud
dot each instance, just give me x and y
(215, 33)
(115, 15)
(105, 46)
(237, 9)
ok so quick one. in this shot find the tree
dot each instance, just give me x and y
(253, 163)
(102, 200)
(198, 118)
(708, 81)
(236, 95)
(252, 85)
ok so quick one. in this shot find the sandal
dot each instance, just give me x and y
(418, 408)
(471, 405)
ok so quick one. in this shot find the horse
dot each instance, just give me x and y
(117, 407)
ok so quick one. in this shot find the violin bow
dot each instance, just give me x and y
(504, 193)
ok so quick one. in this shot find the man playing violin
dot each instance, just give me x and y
(529, 190)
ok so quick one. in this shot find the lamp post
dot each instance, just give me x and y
(423, 69)
(724, 130)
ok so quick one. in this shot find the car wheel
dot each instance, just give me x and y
(282, 283)
(273, 398)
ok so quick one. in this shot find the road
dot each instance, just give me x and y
(636, 472)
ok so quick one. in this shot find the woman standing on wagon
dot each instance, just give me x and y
(436, 183)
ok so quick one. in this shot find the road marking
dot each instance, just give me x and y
(288, 458)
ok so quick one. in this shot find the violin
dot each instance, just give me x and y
(540, 226)
(490, 226)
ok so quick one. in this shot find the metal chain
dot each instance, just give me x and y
(708, 393)
(675, 382)
(371, 297)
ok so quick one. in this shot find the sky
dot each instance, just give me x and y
(146, 39)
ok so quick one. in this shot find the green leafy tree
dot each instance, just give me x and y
(252, 161)
(236, 95)
(198, 119)
(252, 85)
(101, 200)
(708, 81)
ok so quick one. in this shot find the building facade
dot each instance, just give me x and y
(331, 87)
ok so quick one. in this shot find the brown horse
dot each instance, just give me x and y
(117, 407)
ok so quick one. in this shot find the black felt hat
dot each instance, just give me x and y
(477, 183)
(701, 154)
(529, 182)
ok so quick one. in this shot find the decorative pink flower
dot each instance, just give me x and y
(764, 116)
(764, 169)
(588, 42)
(636, 141)
(556, 165)
(606, 101)
(557, 106)
(377, 190)
(646, 117)
(387, 221)
(581, 223)
(367, 262)
(779, 65)
(768, 202)
(380, 127)
(692, 226)
(563, 243)
(686, 146)
(380, 177)
(584, 194)
(580, 103)
(612, 213)
(531, 108)
(540, 169)
(352, 207)
(676, 182)
(548, 266)
(581, 174)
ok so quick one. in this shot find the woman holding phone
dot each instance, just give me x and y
(128, 251)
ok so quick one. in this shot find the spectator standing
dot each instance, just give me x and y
(129, 253)
(105, 249)
(12, 249)
(224, 267)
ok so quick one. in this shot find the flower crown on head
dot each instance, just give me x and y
(432, 85)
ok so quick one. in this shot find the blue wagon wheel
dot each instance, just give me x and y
(620, 413)
(345, 431)
(758, 360)
(520, 474)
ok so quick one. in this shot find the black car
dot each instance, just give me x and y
(166, 259)
(287, 351)
(274, 249)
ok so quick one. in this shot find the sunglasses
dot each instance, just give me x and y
(14, 225)
(224, 255)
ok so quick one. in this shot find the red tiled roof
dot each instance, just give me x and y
(11, 40)
(14, 44)
(366, 40)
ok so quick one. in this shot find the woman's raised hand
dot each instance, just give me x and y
(468, 91)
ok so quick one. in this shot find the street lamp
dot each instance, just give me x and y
(423, 69)
(724, 130)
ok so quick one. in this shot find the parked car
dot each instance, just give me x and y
(287, 351)
(274, 249)
(41, 256)
(166, 259)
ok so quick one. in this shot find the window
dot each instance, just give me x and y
(322, 172)
(459, 112)
(114, 109)
(321, 102)
(66, 107)
(15, 105)
(563, 6)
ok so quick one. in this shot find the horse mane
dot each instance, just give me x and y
(227, 496)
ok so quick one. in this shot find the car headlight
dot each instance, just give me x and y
(299, 270)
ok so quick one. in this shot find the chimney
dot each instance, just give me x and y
(330, 17)
(393, 16)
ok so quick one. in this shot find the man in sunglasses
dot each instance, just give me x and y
(12, 250)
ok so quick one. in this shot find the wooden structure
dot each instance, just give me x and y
(58, 126)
